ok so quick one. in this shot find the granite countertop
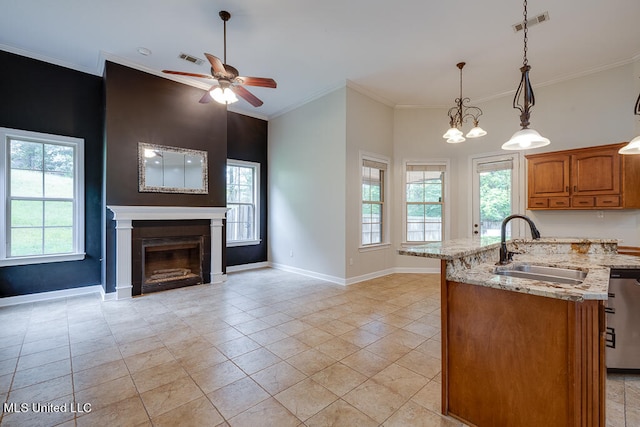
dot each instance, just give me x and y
(474, 260)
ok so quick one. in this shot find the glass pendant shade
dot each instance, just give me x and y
(456, 139)
(633, 147)
(525, 139)
(223, 96)
(476, 132)
(451, 133)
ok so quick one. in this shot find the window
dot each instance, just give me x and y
(424, 202)
(243, 182)
(373, 201)
(42, 189)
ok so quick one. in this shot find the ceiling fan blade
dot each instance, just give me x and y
(247, 96)
(256, 81)
(206, 98)
(216, 63)
(182, 73)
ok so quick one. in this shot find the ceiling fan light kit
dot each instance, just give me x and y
(459, 115)
(230, 84)
(525, 138)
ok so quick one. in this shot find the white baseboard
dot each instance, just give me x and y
(243, 267)
(315, 275)
(368, 276)
(45, 296)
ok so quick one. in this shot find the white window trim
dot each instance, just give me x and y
(79, 253)
(446, 202)
(386, 219)
(256, 197)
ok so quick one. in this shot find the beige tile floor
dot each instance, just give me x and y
(266, 348)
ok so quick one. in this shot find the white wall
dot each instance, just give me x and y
(307, 187)
(369, 130)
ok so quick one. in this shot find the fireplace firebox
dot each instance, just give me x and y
(170, 254)
(169, 263)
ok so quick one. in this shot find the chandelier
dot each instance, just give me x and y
(459, 114)
(633, 147)
(524, 100)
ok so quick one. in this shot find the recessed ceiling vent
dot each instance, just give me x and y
(539, 19)
(191, 58)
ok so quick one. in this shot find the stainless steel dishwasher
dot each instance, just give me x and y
(623, 320)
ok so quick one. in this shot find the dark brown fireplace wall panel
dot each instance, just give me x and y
(63, 102)
(141, 107)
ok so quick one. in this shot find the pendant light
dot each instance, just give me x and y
(633, 147)
(524, 100)
(459, 114)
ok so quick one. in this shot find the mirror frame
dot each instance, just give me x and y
(142, 184)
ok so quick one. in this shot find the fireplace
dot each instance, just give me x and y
(163, 247)
(169, 263)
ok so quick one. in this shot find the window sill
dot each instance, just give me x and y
(377, 247)
(44, 259)
(244, 243)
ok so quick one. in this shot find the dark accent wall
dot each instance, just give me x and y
(141, 107)
(41, 97)
(247, 140)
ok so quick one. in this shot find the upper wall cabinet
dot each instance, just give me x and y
(587, 178)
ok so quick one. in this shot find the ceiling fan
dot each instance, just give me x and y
(230, 84)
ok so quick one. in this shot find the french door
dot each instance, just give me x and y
(495, 193)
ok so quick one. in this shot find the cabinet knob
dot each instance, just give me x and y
(567, 190)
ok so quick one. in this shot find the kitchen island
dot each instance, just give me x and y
(523, 352)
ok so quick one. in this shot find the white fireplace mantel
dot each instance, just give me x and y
(124, 217)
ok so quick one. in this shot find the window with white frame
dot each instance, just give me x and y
(243, 183)
(373, 219)
(424, 202)
(42, 191)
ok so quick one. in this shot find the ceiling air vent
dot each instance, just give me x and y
(539, 19)
(191, 58)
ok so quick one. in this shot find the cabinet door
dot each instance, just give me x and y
(549, 176)
(595, 172)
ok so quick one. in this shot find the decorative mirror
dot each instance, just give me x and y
(163, 169)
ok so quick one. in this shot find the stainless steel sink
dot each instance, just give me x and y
(566, 276)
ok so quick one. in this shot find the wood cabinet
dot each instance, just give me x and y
(586, 178)
(521, 360)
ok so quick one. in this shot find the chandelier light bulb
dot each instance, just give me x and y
(476, 132)
(452, 132)
(456, 139)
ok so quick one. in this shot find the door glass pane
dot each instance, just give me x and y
(495, 201)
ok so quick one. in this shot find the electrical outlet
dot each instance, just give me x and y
(291, 254)
(600, 214)
(350, 261)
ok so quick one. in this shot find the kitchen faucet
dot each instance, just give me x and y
(505, 255)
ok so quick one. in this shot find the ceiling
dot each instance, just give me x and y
(401, 53)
